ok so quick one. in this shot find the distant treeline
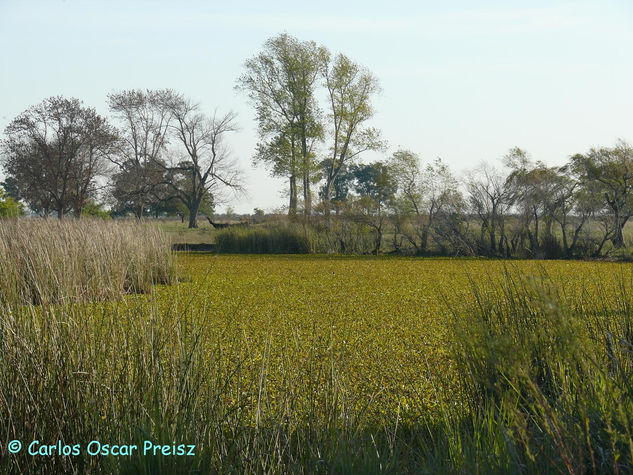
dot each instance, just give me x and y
(524, 209)
(160, 154)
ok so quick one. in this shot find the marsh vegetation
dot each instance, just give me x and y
(318, 364)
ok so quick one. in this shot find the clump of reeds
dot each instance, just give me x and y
(51, 261)
(552, 374)
(263, 240)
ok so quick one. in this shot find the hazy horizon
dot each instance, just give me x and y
(462, 83)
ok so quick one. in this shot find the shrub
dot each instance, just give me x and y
(9, 208)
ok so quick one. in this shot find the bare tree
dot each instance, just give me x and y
(144, 117)
(424, 194)
(54, 152)
(489, 201)
(202, 165)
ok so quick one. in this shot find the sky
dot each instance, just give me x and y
(462, 80)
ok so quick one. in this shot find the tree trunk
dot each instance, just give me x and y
(493, 240)
(564, 233)
(193, 215)
(307, 196)
(424, 240)
(504, 249)
(574, 240)
(292, 206)
(482, 234)
(378, 240)
(535, 243)
(618, 238)
(326, 200)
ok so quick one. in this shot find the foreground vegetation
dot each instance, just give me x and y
(339, 364)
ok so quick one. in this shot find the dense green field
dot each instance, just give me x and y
(383, 322)
(330, 364)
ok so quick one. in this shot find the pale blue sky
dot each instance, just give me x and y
(465, 80)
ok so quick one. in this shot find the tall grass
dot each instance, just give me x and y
(340, 237)
(51, 261)
(552, 376)
(283, 239)
(545, 386)
(138, 370)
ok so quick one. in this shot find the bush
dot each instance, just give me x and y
(9, 208)
(95, 210)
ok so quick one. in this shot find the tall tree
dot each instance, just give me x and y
(425, 193)
(609, 172)
(144, 118)
(351, 88)
(281, 82)
(489, 200)
(376, 188)
(54, 152)
(203, 166)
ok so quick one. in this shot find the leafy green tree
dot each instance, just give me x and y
(376, 181)
(281, 82)
(351, 89)
(340, 187)
(608, 172)
(375, 187)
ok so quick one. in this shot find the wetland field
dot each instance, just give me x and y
(330, 364)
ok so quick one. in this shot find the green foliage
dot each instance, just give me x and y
(9, 208)
(93, 209)
(376, 181)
